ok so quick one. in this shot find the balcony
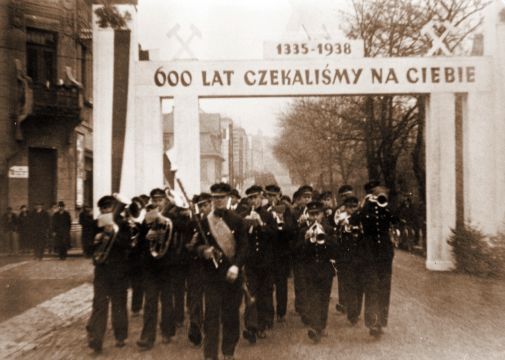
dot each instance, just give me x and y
(58, 102)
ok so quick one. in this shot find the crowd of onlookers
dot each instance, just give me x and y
(40, 231)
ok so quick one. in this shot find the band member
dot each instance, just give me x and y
(349, 264)
(316, 242)
(344, 192)
(110, 254)
(286, 230)
(378, 253)
(135, 271)
(234, 199)
(158, 277)
(262, 231)
(196, 279)
(303, 197)
(223, 246)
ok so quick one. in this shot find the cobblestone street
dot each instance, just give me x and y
(433, 316)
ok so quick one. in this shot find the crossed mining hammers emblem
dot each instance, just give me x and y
(437, 40)
(195, 32)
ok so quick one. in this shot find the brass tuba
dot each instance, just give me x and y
(105, 240)
(380, 197)
(159, 234)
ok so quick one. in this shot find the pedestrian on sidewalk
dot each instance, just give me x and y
(39, 229)
(23, 227)
(9, 230)
(61, 223)
(87, 227)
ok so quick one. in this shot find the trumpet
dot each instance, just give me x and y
(159, 234)
(381, 199)
(316, 233)
(255, 219)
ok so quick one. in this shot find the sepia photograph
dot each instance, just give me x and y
(252, 179)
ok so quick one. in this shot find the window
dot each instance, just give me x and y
(41, 56)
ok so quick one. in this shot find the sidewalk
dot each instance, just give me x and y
(433, 316)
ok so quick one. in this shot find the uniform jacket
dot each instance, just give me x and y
(261, 240)
(376, 222)
(314, 253)
(285, 234)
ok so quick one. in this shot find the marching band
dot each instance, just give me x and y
(219, 252)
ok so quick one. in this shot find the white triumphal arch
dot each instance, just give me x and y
(129, 89)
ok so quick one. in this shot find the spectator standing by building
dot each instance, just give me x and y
(39, 226)
(87, 227)
(61, 223)
(23, 227)
(9, 230)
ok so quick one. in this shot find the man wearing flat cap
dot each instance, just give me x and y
(223, 247)
(304, 193)
(286, 230)
(196, 281)
(317, 245)
(377, 253)
(262, 231)
(61, 223)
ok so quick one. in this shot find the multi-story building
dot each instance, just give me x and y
(211, 158)
(240, 145)
(227, 149)
(45, 103)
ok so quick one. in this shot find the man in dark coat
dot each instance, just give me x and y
(377, 252)
(61, 223)
(25, 239)
(39, 229)
(111, 281)
(286, 230)
(87, 229)
(223, 246)
(262, 231)
(317, 244)
(9, 230)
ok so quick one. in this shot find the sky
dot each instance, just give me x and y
(233, 30)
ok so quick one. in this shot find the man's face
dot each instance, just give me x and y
(159, 202)
(273, 199)
(351, 208)
(205, 208)
(106, 210)
(220, 202)
(327, 202)
(316, 216)
(61, 208)
(256, 200)
(234, 200)
(305, 198)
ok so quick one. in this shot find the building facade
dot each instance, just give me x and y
(45, 103)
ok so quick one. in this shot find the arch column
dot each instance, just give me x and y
(440, 179)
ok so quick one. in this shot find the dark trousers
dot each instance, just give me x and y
(281, 273)
(353, 280)
(179, 273)
(377, 293)
(136, 278)
(299, 283)
(109, 285)
(222, 303)
(61, 242)
(39, 244)
(318, 282)
(195, 294)
(341, 288)
(158, 286)
(259, 315)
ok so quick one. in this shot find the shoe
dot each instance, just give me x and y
(96, 346)
(166, 339)
(280, 319)
(120, 343)
(145, 344)
(353, 321)
(250, 336)
(195, 335)
(261, 334)
(340, 308)
(375, 331)
(314, 335)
